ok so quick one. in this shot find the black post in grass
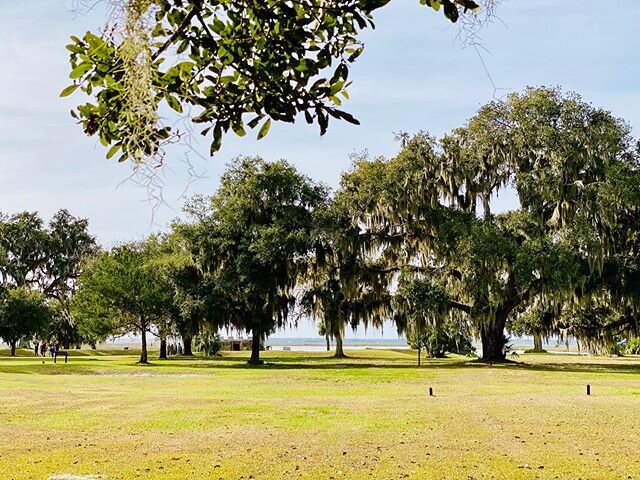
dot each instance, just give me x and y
(430, 392)
(588, 389)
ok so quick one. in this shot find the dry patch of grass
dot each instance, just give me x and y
(313, 417)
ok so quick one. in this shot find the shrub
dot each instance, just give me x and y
(209, 343)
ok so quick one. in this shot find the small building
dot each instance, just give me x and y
(236, 344)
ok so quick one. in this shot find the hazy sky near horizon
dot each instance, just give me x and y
(414, 75)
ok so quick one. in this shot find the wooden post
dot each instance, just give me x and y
(588, 389)
(430, 392)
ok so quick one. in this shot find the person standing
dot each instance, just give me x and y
(36, 349)
(43, 349)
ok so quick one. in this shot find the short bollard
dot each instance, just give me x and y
(588, 389)
(430, 392)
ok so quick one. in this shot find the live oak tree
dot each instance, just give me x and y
(252, 239)
(123, 291)
(46, 258)
(342, 286)
(430, 208)
(232, 64)
(189, 289)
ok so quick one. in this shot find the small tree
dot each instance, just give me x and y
(342, 285)
(123, 291)
(23, 313)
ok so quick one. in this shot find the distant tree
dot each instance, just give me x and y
(418, 311)
(47, 259)
(189, 288)
(251, 240)
(23, 313)
(342, 285)
(123, 291)
(63, 328)
(223, 61)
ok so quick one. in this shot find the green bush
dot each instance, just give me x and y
(210, 344)
(633, 347)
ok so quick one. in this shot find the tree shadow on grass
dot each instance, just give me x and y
(178, 365)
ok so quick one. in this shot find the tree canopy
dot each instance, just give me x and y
(430, 207)
(232, 64)
(123, 291)
(46, 259)
(23, 313)
(252, 239)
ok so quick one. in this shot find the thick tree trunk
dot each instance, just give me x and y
(163, 348)
(255, 349)
(13, 347)
(339, 351)
(188, 341)
(326, 337)
(143, 328)
(492, 336)
(537, 342)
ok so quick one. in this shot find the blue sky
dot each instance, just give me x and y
(414, 75)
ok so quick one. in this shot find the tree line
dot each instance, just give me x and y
(414, 239)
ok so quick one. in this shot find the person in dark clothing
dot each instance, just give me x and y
(36, 349)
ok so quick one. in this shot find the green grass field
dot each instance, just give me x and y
(310, 416)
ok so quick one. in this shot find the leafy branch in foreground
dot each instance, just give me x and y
(236, 64)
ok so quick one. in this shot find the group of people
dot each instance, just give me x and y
(40, 349)
(173, 349)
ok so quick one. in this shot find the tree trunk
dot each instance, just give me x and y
(326, 337)
(163, 348)
(255, 349)
(419, 352)
(537, 342)
(12, 343)
(188, 341)
(339, 351)
(143, 329)
(492, 336)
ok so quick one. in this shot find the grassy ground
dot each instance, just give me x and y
(310, 416)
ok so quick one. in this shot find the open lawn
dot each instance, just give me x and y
(310, 416)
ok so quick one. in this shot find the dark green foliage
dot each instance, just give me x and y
(574, 238)
(252, 240)
(240, 63)
(46, 259)
(421, 311)
(23, 313)
(123, 291)
(209, 343)
(341, 286)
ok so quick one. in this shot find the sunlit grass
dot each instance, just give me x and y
(310, 416)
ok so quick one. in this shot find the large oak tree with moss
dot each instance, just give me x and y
(572, 167)
(46, 258)
(252, 240)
